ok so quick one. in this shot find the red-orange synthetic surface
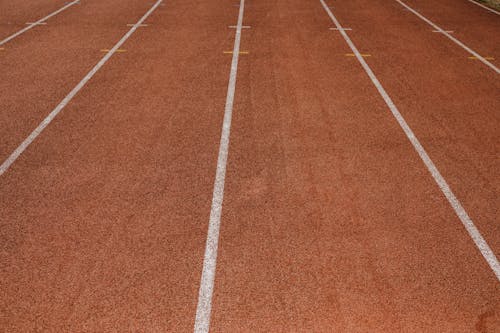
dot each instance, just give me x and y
(330, 221)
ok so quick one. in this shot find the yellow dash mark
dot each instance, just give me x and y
(117, 51)
(353, 55)
(487, 58)
(241, 52)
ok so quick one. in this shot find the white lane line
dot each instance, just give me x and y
(22, 147)
(204, 308)
(39, 22)
(456, 41)
(441, 31)
(337, 29)
(474, 233)
(485, 7)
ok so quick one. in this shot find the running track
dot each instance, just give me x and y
(320, 211)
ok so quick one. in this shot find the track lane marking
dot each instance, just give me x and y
(204, 307)
(241, 52)
(471, 228)
(441, 31)
(364, 55)
(485, 7)
(38, 130)
(456, 41)
(338, 29)
(487, 58)
(39, 22)
(116, 51)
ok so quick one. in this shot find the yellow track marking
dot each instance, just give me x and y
(117, 51)
(241, 52)
(353, 55)
(487, 58)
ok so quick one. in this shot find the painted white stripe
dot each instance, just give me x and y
(474, 233)
(441, 31)
(39, 22)
(22, 147)
(485, 7)
(456, 41)
(337, 29)
(204, 308)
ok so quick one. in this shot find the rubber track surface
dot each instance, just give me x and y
(330, 220)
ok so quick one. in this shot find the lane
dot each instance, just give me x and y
(477, 32)
(69, 97)
(203, 309)
(473, 24)
(330, 220)
(470, 23)
(457, 206)
(41, 68)
(448, 100)
(15, 14)
(105, 223)
(491, 10)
